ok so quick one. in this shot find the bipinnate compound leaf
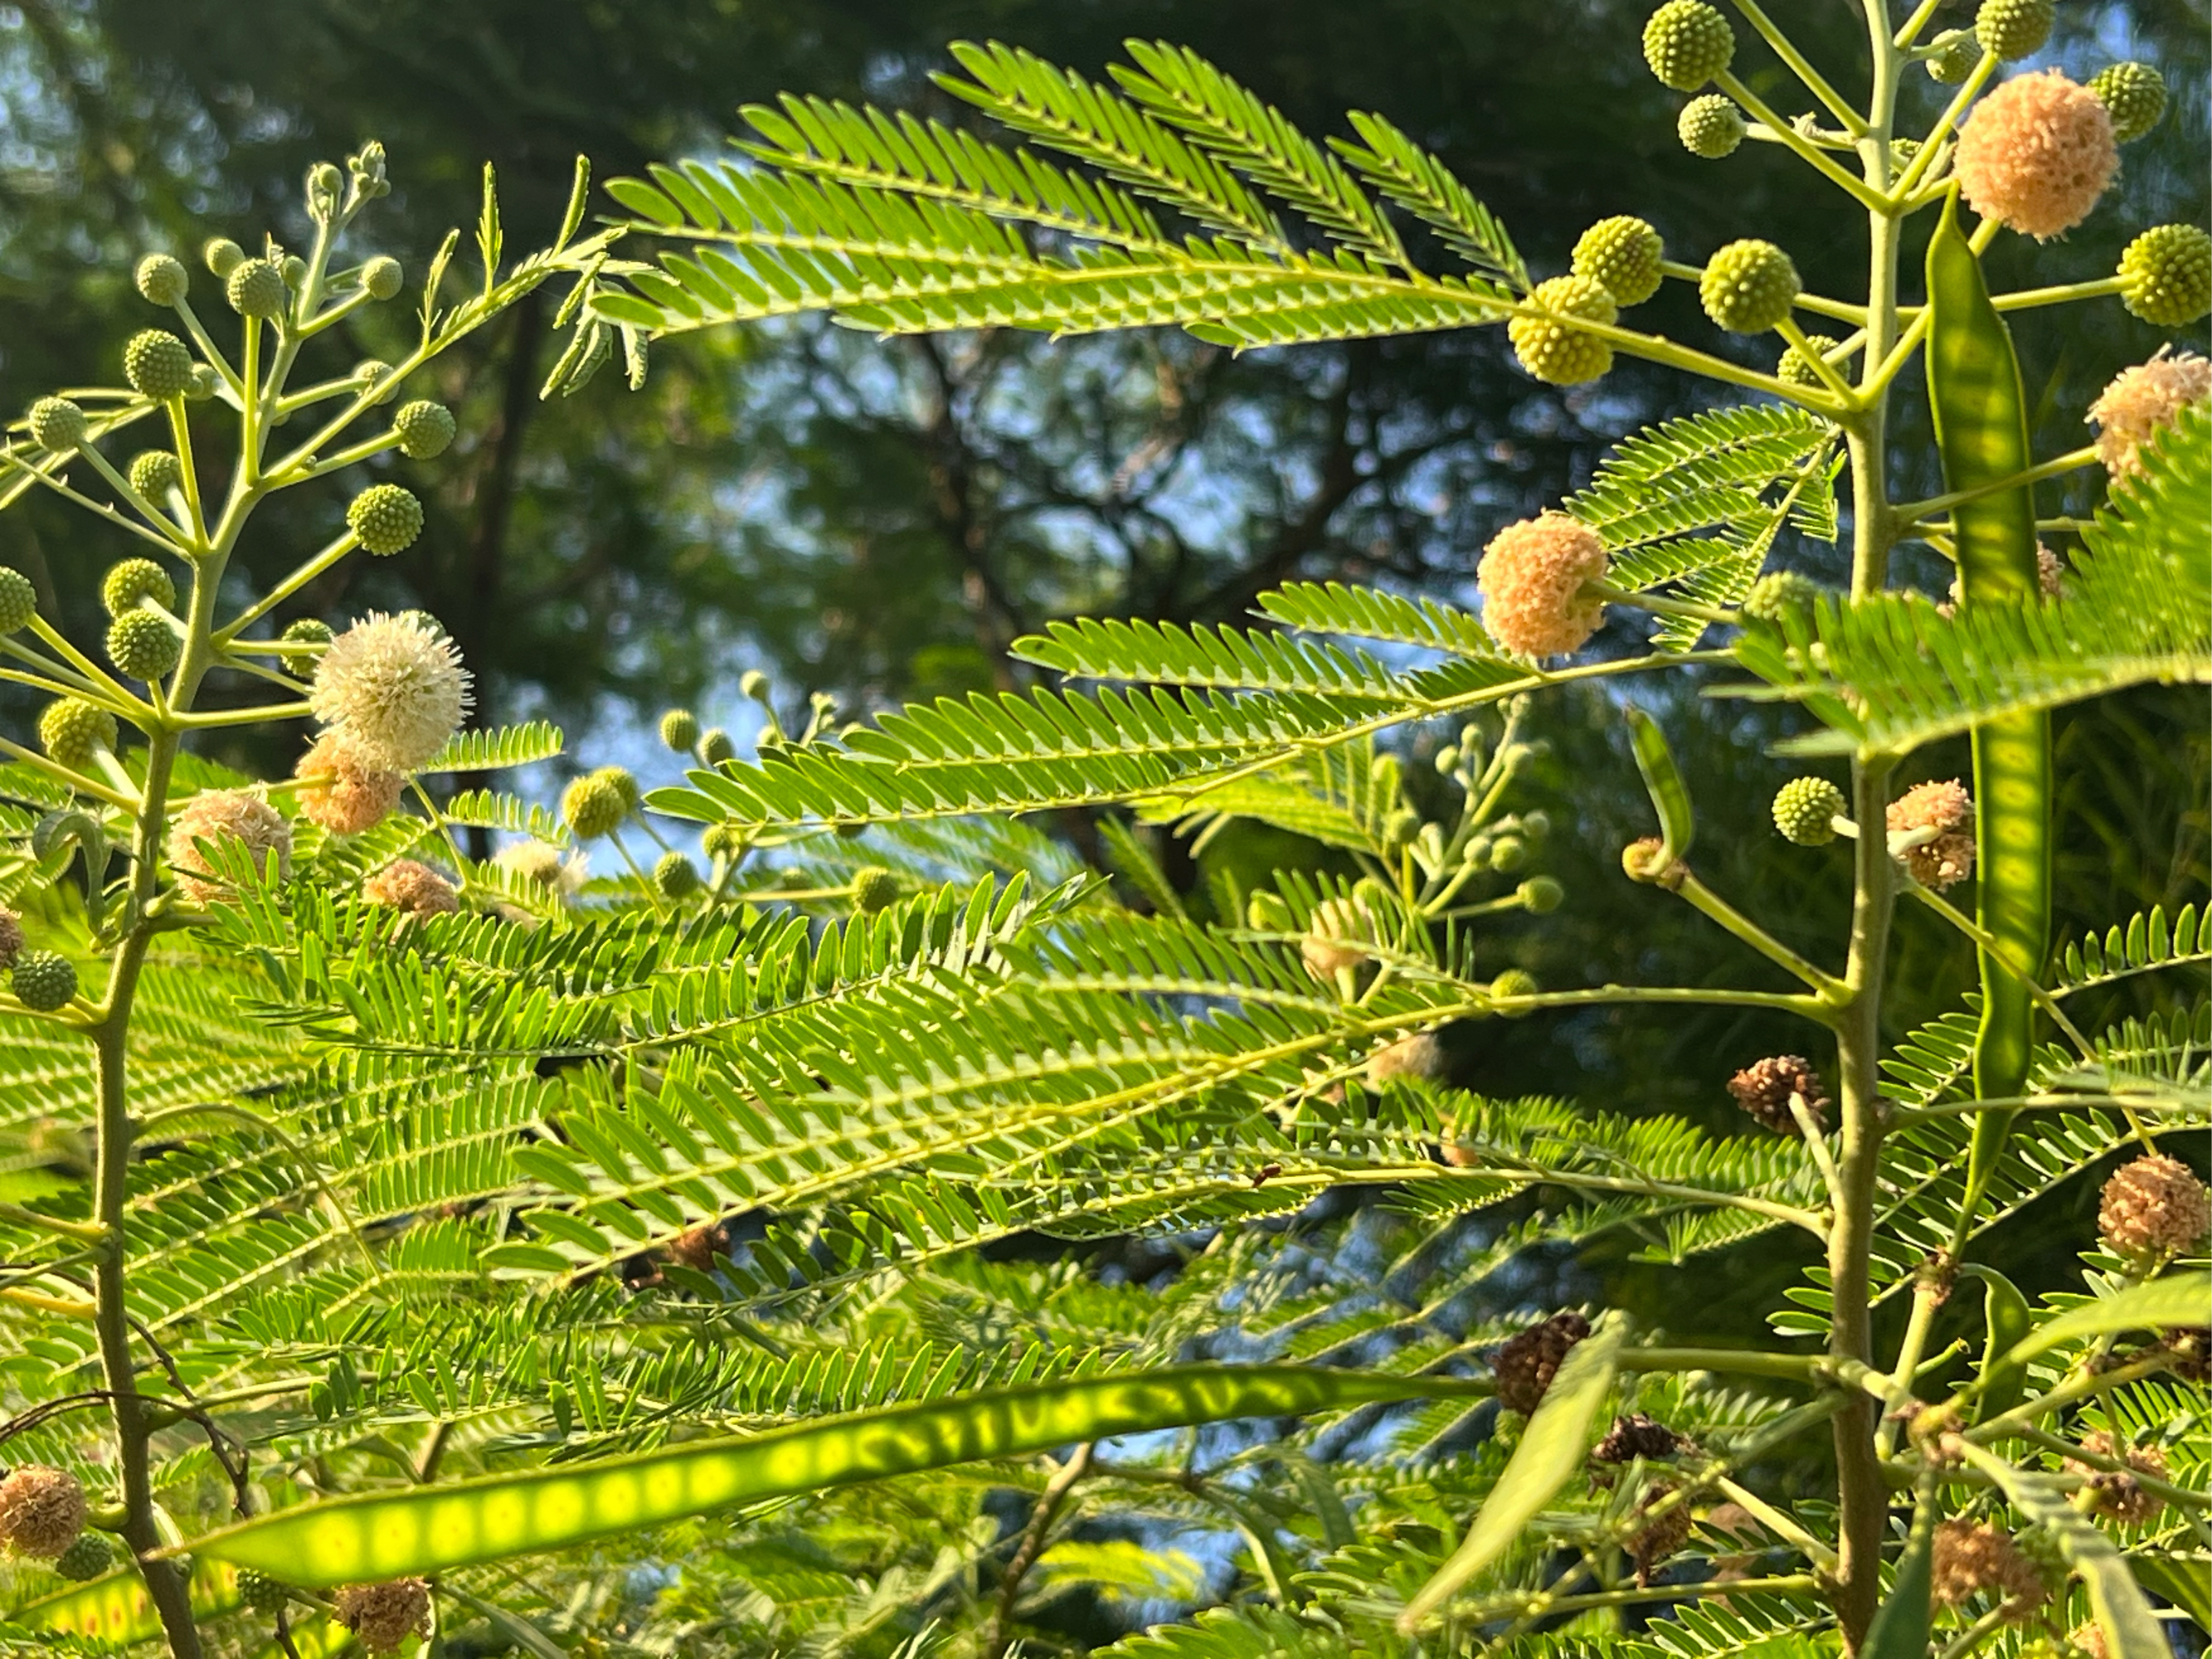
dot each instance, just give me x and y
(2175, 1299)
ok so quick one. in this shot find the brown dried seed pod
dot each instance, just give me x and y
(42, 1511)
(1763, 1087)
(1635, 1435)
(1661, 1535)
(1971, 1557)
(385, 1615)
(2152, 1207)
(1527, 1364)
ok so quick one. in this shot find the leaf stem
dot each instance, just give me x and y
(2072, 461)
(1815, 83)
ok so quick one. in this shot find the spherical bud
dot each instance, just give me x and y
(395, 687)
(1748, 287)
(157, 364)
(1507, 854)
(132, 581)
(2036, 154)
(294, 270)
(154, 472)
(1640, 861)
(2141, 401)
(1447, 761)
(383, 1616)
(2154, 1208)
(1419, 1056)
(593, 807)
(1973, 1557)
(1805, 810)
(1554, 350)
(1621, 255)
(1955, 52)
(1686, 43)
(874, 889)
(255, 287)
(11, 938)
(1765, 1089)
(42, 980)
(160, 279)
(385, 518)
(205, 384)
(411, 889)
(424, 429)
(2165, 275)
(222, 256)
(679, 730)
(71, 731)
(142, 645)
(1532, 577)
(2117, 1495)
(1948, 856)
(753, 683)
(42, 1510)
(340, 794)
(19, 600)
(1773, 597)
(1526, 1364)
(262, 1593)
(1635, 1437)
(715, 747)
(376, 377)
(2013, 29)
(381, 276)
(1660, 1535)
(1514, 983)
(722, 841)
(1338, 937)
(56, 425)
(215, 816)
(1712, 126)
(1796, 367)
(1540, 895)
(675, 876)
(2134, 96)
(86, 1559)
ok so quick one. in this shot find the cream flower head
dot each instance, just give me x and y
(2129, 412)
(415, 889)
(2036, 154)
(393, 688)
(350, 796)
(211, 816)
(1532, 575)
(541, 862)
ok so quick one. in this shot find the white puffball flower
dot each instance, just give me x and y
(394, 688)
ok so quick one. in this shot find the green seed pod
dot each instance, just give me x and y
(42, 980)
(2013, 29)
(134, 579)
(874, 889)
(1952, 56)
(1622, 255)
(679, 730)
(1507, 854)
(255, 287)
(222, 256)
(382, 276)
(593, 806)
(205, 384)
(424, 429)
(715, 747)
(1514, 982)
(19, 601)
(1712, 126)
(1805, 810)
(1783, 590)
(1540, 895)
(386, 519)
(1748, 287)
(676, 876)
(142, 645)
(1797, 368)
(262, 1593)
(73, 732)
(157, 364)
(154, 472)
(1556, 351)
(160, 279)
(86, 1559)
(2165, 275)
(1686, 43)
(2134, 96)
(56, 425)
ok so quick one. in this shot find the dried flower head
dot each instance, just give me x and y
(1763, 1090)
(214, 814)
(1945, 856)
(338, 792)
(2130, 412)
(11, 938)
(697, 1248)
(2192, 1348)
(2153, 1208)
(385, 1615)
(1418, 1056)
(1526, 1364)
(1532, 577)
(41, 1512)
(2120, 1497)
(394, 687)
(1663, 1534)
(2050, 581)
(412, 889)
(1337, 936)
(2088, 1638)
(1971, 1557)
(2036, 154)
(1635, 1435)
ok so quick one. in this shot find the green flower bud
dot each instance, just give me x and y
(1556, 351)
(874, 889)
(255, 287)
(676, 876)
(324, 184)
(306, 636)
(1805, 810)
(157, 364)
(1797, 368)
(142, 645)
(1399, 826)
(2165, 275)
(2013, 29)
(424, 429)
(222, 256)
(1447, 762)
(73, 732)
(1514, 982)
(2134, 94)
(722, 841)
(134, 579)
(19, 600)
(386, 519)
(715, 747)
(1783, 590)
(56, 425)
(1748, 287)
(1540, 895)
(593, 806)
(1686, 43)
(42, 980)
(753, 683)
(679, 730)
(1956, 52)
(86, 1559)
(1621, 255)
(261, 1593)
(624, 785)
(1712, 126)
(374, 374)
(154, 472)
(160, 279)
(382, 276)
(1536, 825)
(1507, 854)
(295, 272)
(205, 384)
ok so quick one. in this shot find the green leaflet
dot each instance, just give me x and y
(1670, 796)
(2004, 1312)
(1551, 1451)
(1899, 1630)
(1980, 412)
(430, 1528)
(2176, 1299)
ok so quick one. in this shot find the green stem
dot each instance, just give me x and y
(292, 584)
(2072, 461)
(1866, 196)
(1702, 898)
(1815, 83)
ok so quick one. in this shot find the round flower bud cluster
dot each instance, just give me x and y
(1554, 350)
(393, 687)
(338, 793)
(213, 816)
(255, 287)
(2013, 29)
(675, 876)
(2154, 1208)
(1946, 809)
(305, 639)
(1513, 984)
(1532, 577)
(222, 256)
(19, 600)
(1526, 1364)
(1417, 1056)
(1621, 255)
(157, 364)
(154, 472)
(715, 746)
(1712, 126)
(142, 645)
(411, 889)
(133, 580)
(86, 1559)
(874, 889)
(679, 730)
(381, 276)
(1805, 810)
(42, 980)
(2134, 96)
(1540, 895)
(378, 377)
(1971, 1557)
(1764, 1088)
(1660, 1535)
(2165, 275)
(423, 429)
(1952, 55)
(383, 1616)
(2117, 1496)
(722, 841)
(2036, 154)
(1796, 367)
(262, 1593)
(1633, 1436)
(42, 1511)
(593, 805)
(1337, 937)
(384, 517)
(1748, 287)
(1687, 43)
(160, 279)
(2141, 401)
(56, 425)
(72, 733)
